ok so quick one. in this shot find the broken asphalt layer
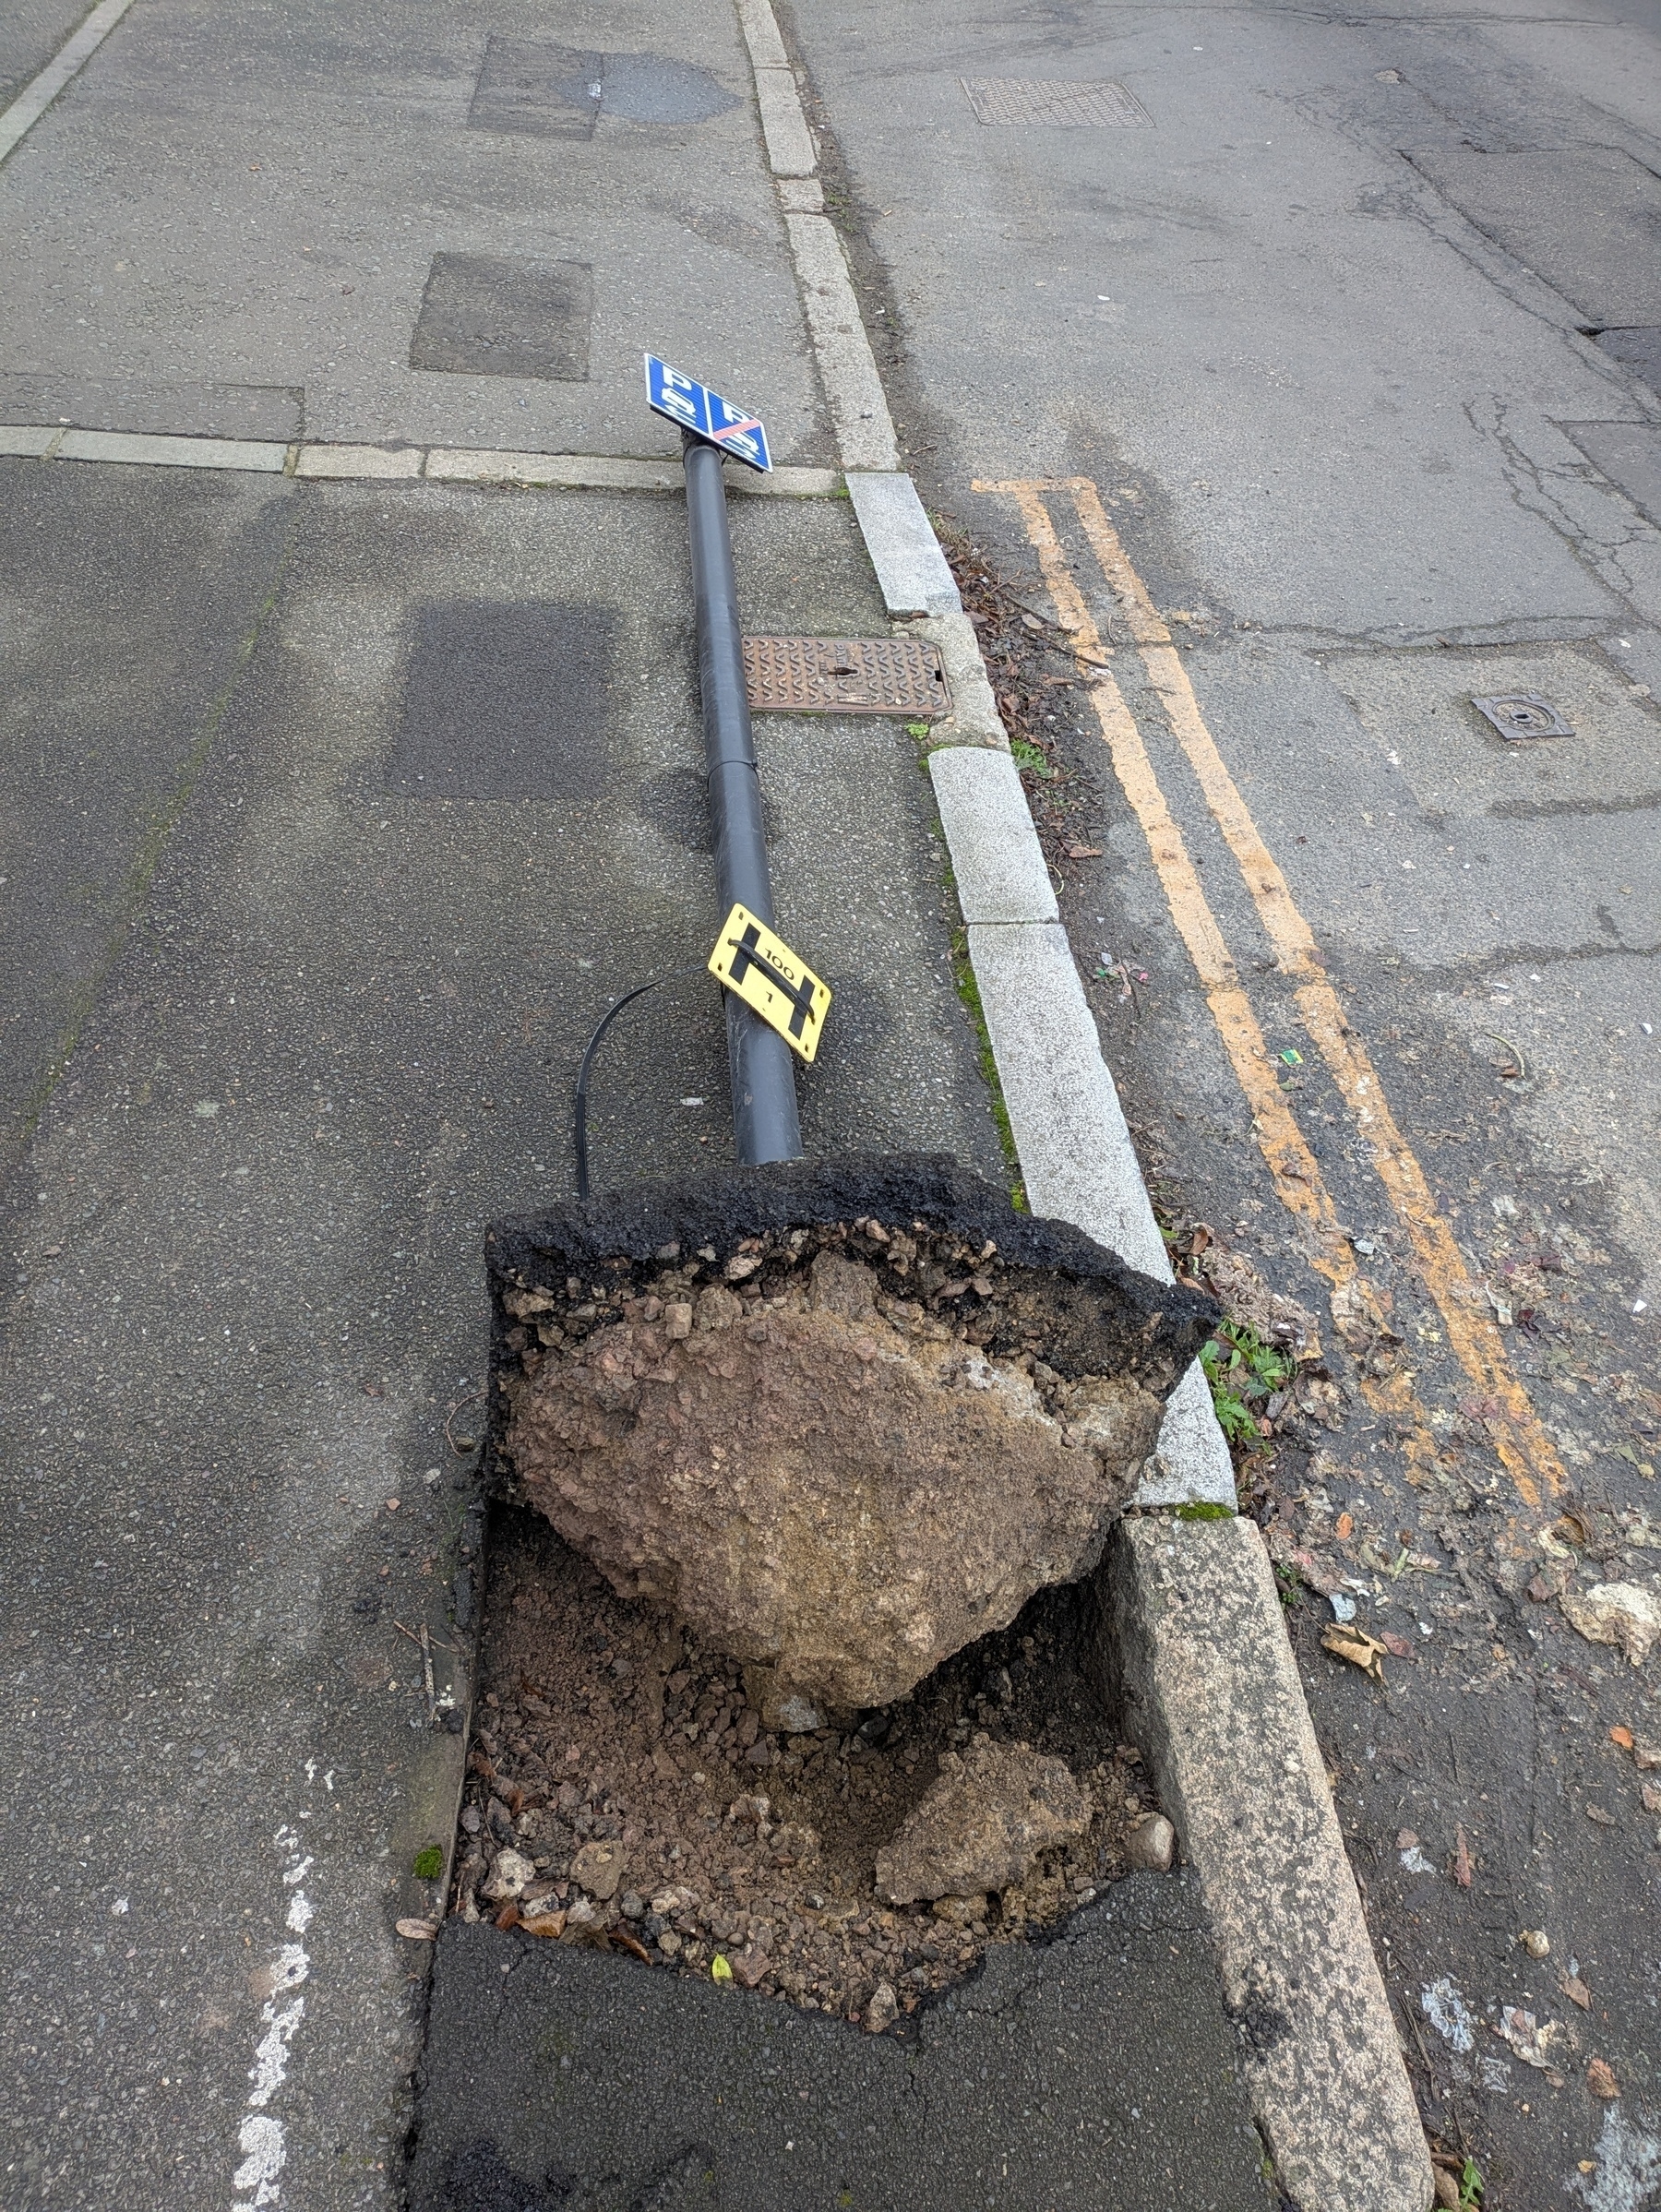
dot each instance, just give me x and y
(554, 2077)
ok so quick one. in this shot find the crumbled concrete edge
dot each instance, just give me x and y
(1198, 1649)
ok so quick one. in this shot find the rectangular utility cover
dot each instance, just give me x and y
(844, 676)
(761, 967)
(1092, 105)
(695, 408)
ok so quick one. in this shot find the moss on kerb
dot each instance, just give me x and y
(968, 990)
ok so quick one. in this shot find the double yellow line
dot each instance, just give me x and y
(1522, 1443)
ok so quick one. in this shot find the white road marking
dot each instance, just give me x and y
(265, 2156)
(38, 95)
(260, 2136)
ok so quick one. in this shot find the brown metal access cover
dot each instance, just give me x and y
(844, 676)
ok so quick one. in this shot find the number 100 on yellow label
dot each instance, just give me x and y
(762, 969)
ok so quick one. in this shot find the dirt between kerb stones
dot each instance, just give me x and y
(625, 1784)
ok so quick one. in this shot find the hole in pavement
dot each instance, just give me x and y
(758, 1845)
(767, 1725)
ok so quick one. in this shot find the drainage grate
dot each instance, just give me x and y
(1523, 714)
(1098, 106)
(844, 676)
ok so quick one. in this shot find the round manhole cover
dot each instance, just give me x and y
(1523, 714)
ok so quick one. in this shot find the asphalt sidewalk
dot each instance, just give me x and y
(333, 1032)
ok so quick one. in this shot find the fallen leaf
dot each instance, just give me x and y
(630, 1942)
(1397, 1646)
(1083, 852)
(418, 1932)
(1348, 1642)
(1575, 1990)
(1601, 2081)
(543, 1923)
(1461, 1860)
(509, 1916)
(1405, 1839)
(1346, 1527)
(1622, 1737)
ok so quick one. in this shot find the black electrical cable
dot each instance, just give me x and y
(579, 1117)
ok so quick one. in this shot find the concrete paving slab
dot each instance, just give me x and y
(128, 448)
(555, 2077)
(997, 862)
(1211, 1687)
(245, 1291)
(910, 565)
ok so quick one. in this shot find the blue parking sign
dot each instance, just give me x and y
(695, 408)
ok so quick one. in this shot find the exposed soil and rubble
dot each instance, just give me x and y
(623, 1792)
(838, 1452)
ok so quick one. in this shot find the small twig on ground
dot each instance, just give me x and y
(437, 1643)
(1521, 1074)
(461, 1404)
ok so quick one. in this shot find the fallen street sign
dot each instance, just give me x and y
(695, 408)
(762, 971)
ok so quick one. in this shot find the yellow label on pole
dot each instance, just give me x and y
(770, 980)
